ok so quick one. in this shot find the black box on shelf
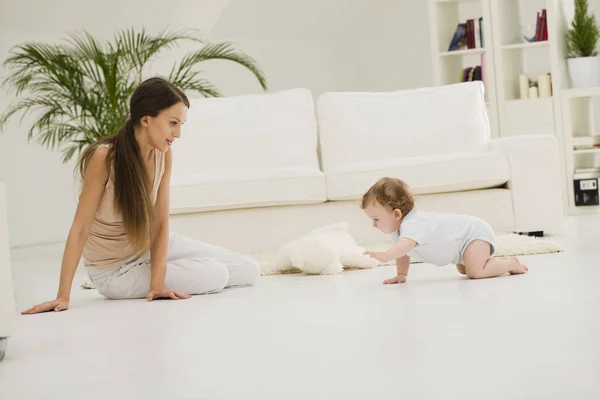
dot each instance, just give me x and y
(586, 192)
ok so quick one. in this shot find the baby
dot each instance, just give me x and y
(436, 238)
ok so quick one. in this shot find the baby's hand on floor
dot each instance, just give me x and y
(396, 279)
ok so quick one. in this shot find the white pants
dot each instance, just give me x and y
(193, 267)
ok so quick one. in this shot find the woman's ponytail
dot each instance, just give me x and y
(132, 187)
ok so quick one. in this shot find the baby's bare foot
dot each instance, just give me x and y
(518, 267)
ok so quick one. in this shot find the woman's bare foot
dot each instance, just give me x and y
(518, 267)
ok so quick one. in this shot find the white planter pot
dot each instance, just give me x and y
(584, 71)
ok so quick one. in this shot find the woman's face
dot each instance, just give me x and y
(163, 129)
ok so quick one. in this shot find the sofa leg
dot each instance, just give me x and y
(3, 342)
(533, 233)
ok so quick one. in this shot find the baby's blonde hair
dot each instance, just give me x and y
(391, 193)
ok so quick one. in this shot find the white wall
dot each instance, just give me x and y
(323, 45)
(41, 190)
(328, 45)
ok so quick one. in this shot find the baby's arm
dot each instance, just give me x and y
(399, 249)
(402, 265)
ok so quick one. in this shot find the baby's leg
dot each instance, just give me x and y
(479, 264)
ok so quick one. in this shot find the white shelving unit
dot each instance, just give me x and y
(579, 120)
(516, 56)
(448, 65)
(580, 115)
(507, 55)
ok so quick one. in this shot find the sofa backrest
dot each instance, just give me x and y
(358, 127)
(242, 133)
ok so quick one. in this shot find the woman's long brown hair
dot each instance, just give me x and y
(132, 188)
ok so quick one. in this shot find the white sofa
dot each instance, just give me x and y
(252, 172)
(7, 305)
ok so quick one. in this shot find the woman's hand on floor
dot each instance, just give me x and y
(166, 294)
(60, 304)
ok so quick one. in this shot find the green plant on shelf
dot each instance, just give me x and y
(583, 35)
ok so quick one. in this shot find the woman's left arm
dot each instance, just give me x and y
(159, 246)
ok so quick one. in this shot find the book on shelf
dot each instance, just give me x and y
(471, 74)
(541, 26)
(468, 35)
(474, 73)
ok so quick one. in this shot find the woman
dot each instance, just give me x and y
(121, 226)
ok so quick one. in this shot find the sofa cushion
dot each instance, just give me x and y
(361, 127)
(248, 132)
(248, 150)
(229, 189)
(425, 175)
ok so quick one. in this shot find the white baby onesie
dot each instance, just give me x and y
(443, 237)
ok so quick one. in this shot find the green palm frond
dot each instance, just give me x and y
(216, 51)
(79, 90)
(139, 47)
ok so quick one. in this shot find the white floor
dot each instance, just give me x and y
(439, 336)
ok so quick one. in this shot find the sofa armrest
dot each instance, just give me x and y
(534, 181)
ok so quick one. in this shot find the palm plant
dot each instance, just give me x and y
(80, 89)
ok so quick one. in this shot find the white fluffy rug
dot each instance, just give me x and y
(507, 245)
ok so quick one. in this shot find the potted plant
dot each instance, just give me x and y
(79, 90)
(581, 43)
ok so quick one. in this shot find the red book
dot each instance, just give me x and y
(545, 24)
(470, 33)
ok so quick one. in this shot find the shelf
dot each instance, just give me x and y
(523, 46)
(581, 210)
(587, 174)
(583, 92)
(462, 52)
(529, 101)
(456, 1)
(586, 151)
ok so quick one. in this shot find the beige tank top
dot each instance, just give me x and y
(107, 244)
